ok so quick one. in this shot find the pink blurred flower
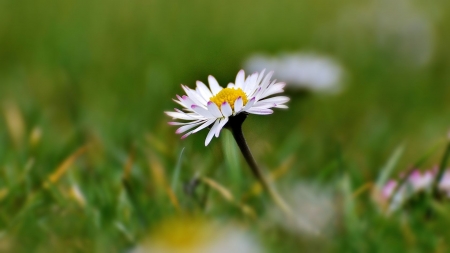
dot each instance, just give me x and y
(421, 181)
(388, 189)
(392, 198)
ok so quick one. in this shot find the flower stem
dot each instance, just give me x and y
(235, 126)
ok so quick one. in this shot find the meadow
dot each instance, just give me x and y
(88, 162)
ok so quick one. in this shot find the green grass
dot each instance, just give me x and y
(101, 73)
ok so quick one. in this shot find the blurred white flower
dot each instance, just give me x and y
(191, 235)
(444, 185)
(313, 211)
(301, 70)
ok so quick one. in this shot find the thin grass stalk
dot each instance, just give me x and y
(441, 170)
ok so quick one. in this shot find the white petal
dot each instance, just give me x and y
(273, 89)
(214, 110)
(177, 115)
(187, 101)
(276, 100)
(238, 105)
(211, 132)
(263, 89)
(260, 111)
(194, 96)
(260, 76)
(249, 104)
(255, 93)
(265, 83)
(181, 102)
(268, 106)
(186, 135)
(226, 109)
(206, 124)
(240, 79)
(266, 80)
(214, 85)
(230, 85)
(222, 123)
(200, 96)
(192, 115)
(205, 113)
(199, 93)
(204, 91)
(263, 106)
(182, 123)
(187, 127)
(251, 84)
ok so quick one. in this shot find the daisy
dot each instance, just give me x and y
(313, 209)
(194, 235)
(214, 106)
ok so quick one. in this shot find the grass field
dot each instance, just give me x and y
(89, 164)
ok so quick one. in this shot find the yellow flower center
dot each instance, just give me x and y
(183, 235)
(229, 95)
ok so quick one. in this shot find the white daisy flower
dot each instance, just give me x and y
(181, 235)
(215, 105)
(313, 209)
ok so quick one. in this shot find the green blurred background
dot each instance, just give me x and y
(103, 72)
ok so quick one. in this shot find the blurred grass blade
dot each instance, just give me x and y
(291, 143)
(387, 169)
(129, 190)
(256, 188)
(350, 215)
(160, 180)
(128, 166)
(419, 163)
(442, 167)
(3, 193)
(349, 204)
(227, 195)
(157, 171)
(121, 227)
(35, 137)
(157, 144)
(64, 166)
(232, 157)
(365, 187)
(77, 195)
(15, 123)
(416, 165)
(176, 173)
